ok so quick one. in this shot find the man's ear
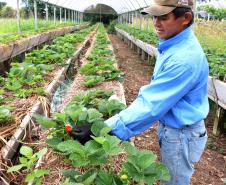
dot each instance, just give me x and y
(187, 18)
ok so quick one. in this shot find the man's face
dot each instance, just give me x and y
(167, 26)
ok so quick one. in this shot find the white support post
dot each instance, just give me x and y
(65, 15)
(47, 12)
(141, 21)
(35, 14)
(136, 19)
(54, 9)
(69, 16)
(79, 18)
(72, 16)
(60, 15)
(18, 17)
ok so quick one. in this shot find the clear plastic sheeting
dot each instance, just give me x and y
(120, 6)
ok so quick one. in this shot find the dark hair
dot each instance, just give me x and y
(180, 11)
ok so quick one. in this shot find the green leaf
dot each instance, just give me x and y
(70, 146)
(83, 116)
(53, 142)
(15, 168)
(41, 152)
(40, 172)
(105, 131)
(131, 150)
(70, 173)
(89, 180)
(99, 140)
(94, 115)
(145, 158)
(26, 151)
(111, 145)
(23, 160)
(161, 171)
(104, 178)
(60, 116)
(97, 127)
(30, 177)
(44, 121)
(92, 146)
(132, 171)
(78, 160)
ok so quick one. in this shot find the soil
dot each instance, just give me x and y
(211, 169)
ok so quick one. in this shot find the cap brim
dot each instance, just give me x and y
(157, 10)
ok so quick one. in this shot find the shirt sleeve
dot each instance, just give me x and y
(153, 101)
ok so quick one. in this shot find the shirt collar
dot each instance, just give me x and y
(165, 44)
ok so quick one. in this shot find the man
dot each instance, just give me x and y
(177, 95)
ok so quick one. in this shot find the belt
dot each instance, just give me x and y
(191, 126)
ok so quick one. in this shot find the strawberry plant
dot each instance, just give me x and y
(27, 162)
(27, 78)
(91, 81)
(5, 115)
(101, 65)
(147, 36)
(98, 156)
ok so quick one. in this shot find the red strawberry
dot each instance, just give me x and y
(68, 128)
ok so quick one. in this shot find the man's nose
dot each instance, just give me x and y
(156, 21)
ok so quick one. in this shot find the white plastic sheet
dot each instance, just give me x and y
(120, 6)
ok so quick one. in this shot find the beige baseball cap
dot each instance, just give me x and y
(162, 7)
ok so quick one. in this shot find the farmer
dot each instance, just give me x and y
(177, 94)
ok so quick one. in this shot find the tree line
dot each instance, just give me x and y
(27, 10)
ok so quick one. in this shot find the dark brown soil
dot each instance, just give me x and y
(211, 169)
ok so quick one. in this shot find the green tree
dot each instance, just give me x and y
(218, 13)
(2, 4)
(29, 8)
(8, 12)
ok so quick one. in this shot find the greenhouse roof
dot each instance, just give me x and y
(120, 6)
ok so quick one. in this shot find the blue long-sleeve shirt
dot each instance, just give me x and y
(177, 95)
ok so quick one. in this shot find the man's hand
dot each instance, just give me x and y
(81, 133)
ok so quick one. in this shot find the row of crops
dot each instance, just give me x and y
(103, 158)
(8, 30)
(213, 44)
(28, 80)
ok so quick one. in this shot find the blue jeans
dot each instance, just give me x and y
(181, 149)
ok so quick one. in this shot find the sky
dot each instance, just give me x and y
(12, 3)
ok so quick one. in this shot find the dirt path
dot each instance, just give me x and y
(211, 170)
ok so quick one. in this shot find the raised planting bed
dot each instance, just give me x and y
(8, 51)
(104, 159)
(38, 103)
(147, 48)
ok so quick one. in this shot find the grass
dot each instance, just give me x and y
(211, 34)
(9, 26)
(9, 30)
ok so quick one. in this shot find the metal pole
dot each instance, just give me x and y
(18, 17)
(47, 13)
(71, 15)
(54, 14)
(35, 14)
(140, 21)
(136, 18)
(60, 15)
(100, 12)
